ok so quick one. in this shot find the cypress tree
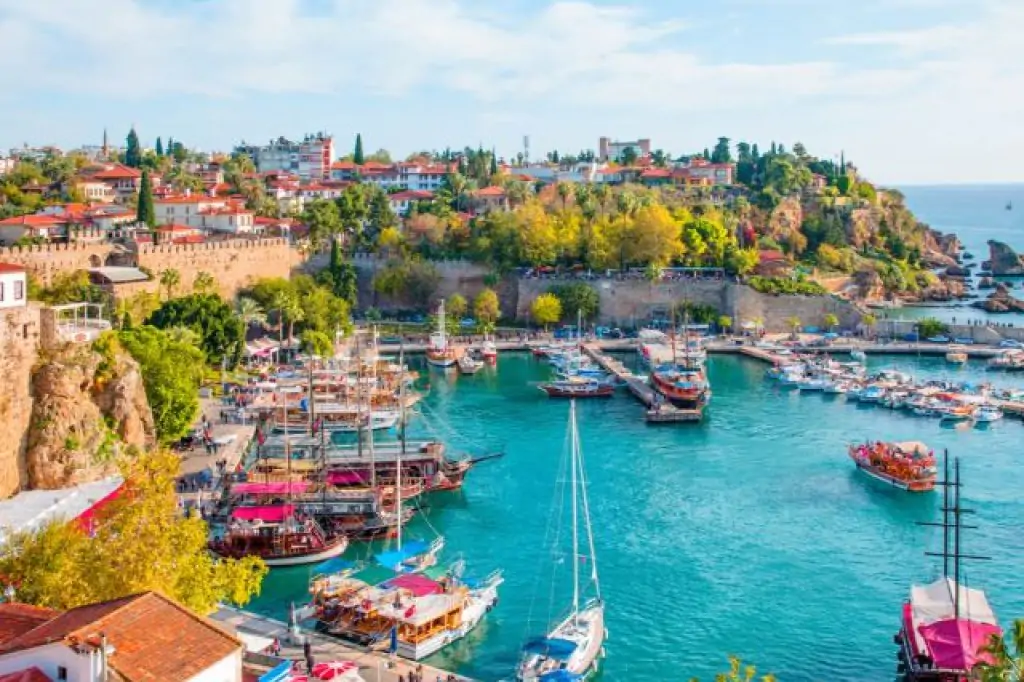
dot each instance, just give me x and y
(336, 261)
(707, 154)
(357, 154)
(146, 213)
(132, 153)
(159, 147)
(494, 163)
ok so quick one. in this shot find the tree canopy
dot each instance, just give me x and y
(221, 333)
(575, 298)
(546, 309)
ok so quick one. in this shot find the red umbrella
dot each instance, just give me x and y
(334, 669)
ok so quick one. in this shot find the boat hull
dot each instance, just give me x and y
(602, 391)
(332, 549)
(919, 485)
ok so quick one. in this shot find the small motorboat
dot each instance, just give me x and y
(958, 413)
(578, 387)
(469, 365)
(987, 414)
(872, 394)
(956, 356)
(859, 356)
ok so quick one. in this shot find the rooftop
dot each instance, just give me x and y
(31, 509)
(35, 220)
(17, 619)
(32, 674)
(6, 268)
(119, 275)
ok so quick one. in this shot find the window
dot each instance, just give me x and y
(19, 290)
(2, 297)
(62, 673)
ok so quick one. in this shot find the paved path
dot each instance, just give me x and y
(373, 666)
(196, 461)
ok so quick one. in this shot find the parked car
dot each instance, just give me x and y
(941, 338)
(1010, 343)
(467, 322)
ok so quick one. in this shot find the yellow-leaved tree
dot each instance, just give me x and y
(546, 309)
(140, 542)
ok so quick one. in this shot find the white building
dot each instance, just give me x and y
(416, 177)
(310, 159)
(186, 209)
(7, 165)
(13, 286)
(140, 637)
(608, 150)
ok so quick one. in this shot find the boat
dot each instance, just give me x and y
(578, 387)
(279, 535)
(956, 356)
(682, 382)
(837, 387)
(986, 414)
(908, 466)
(572, 648)
(488, 351)
(945, 626)
(1009, 205)
(859, 356)
(813, 383)
(872, 393)
(956, 413)
(439, 352)
(469, 365)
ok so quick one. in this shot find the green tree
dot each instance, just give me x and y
(546, 309)
(456, 306)
(204, 283)
(159, 147)
(722, 152)
(565, 190)
(250, 312)
(793, 323)
(171, 372)
(869, 321)
(169, 279)
(1007, 657)
(145, 212)
(494, 163)
(724, 323)
(844, 183)
(352, 211)
(576, 298)
(831, 321)
(317, 343)
(380, 216)
(132, 152)
(930, 326)
(323, 220)
(486, 310)
(628, 156)
(221, 333)
(60, 567)
(357, 153)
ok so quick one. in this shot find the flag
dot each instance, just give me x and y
(317, 425)
(409, 611)
(260, 438)
(394, 639)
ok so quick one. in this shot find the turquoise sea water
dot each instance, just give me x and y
(749, 534)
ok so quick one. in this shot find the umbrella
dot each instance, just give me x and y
(334, 670)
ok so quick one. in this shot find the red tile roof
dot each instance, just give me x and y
(492, 191)
(118, 172)
(17, 619)
(770, 256)
(173, 227)
(656, 173)
(35, 220)
(193, 199)
(153, 637)
(32, 674)
(411, 195)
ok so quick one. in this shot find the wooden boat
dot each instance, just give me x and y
(572, 648)
(279, 535)
(945, 625)
(908, 466)
(469, 365)
(956, 356)
(440, 353)
(577, 387)
(488, 351)
(957, 413)
(684, 387)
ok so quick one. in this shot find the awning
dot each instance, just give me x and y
(331, 566)
(419, 585)
(395, 558)
(272, 488)
(935, 602)
(552, 647)
(266, 513)
(254, 643)
(956, 644)
(346, 477)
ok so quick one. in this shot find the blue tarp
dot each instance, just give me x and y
(560, 676)
(394, 558)
(335, 565)
(552, 647)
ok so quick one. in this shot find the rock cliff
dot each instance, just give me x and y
(1003, 260)
(1000, 301)
(89, 406)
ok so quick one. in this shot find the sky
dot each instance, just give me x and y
(912, 91)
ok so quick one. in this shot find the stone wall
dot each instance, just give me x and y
(234, 264)
(43, 262)
(19, 351)
(629, 303)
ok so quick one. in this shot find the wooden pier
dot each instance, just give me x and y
(657, 412)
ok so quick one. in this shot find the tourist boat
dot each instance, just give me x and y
(836, 387)
(813, 383)
(684, 387)
(488, 351)
(945, 626)
(986, 414)
(956, 356)
(872, 393)
(572, 648)
(956, 413)
(1010, 361)
(439, 352)
(278, 535)
(469, 365)
(577, 387)
(908, 466)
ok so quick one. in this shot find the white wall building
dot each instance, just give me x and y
(13, 286)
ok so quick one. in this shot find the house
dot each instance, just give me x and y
(92, 190)
(39, 226)
(177, 234)
(772, 263)
(124, 180)
(401, 202)
(13, 286)
(701, 172)
(818, 182)
(652, 177)
(613, 151)
(490, 199)
(406, 175)
(186, 209)
(7, 165)
(144, 636)
(232, 219)
(310, 159)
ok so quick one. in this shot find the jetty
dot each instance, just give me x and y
(658, 412)
(374, 666)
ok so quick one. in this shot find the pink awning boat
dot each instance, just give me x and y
(266, 513)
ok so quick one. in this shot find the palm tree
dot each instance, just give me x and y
(457, 185)
(517, 191)
(170, 278)
(565, 190)
(601, 194)
(250, 312)
(1007, 657)
(204, 283)
(626, 203)
(794, 324)
(831, 321)
(288, 308)
(869, 321)
(724, 323)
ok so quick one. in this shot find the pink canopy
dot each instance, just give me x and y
(267, 513)
(955, 644)
(345, 478)
(274, 488)
(419, 585)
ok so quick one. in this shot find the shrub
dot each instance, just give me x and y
(787, 286)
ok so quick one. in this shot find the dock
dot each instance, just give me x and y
(657, 412)
(373, 666)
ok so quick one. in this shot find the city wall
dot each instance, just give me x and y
(45, 261)
(19, 351)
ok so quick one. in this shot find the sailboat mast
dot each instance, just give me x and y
(574, 440)
(369, 416)
(586, 518)
(945, 515)
(398, 465)
(956, 539)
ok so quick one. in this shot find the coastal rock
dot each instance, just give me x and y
(1000, 301)
(986, 283)
(1004, 260)
(87, 408)
(939, 250)
(869, 285)
(957, 271)
(944, 290)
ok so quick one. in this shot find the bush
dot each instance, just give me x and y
(577, 297)
(929, 326)
(221, 333)
(787, 286)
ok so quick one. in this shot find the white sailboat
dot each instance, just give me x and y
(571, 649)
(439, 352)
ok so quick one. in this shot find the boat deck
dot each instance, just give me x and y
(373, 666)
(656, 413)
